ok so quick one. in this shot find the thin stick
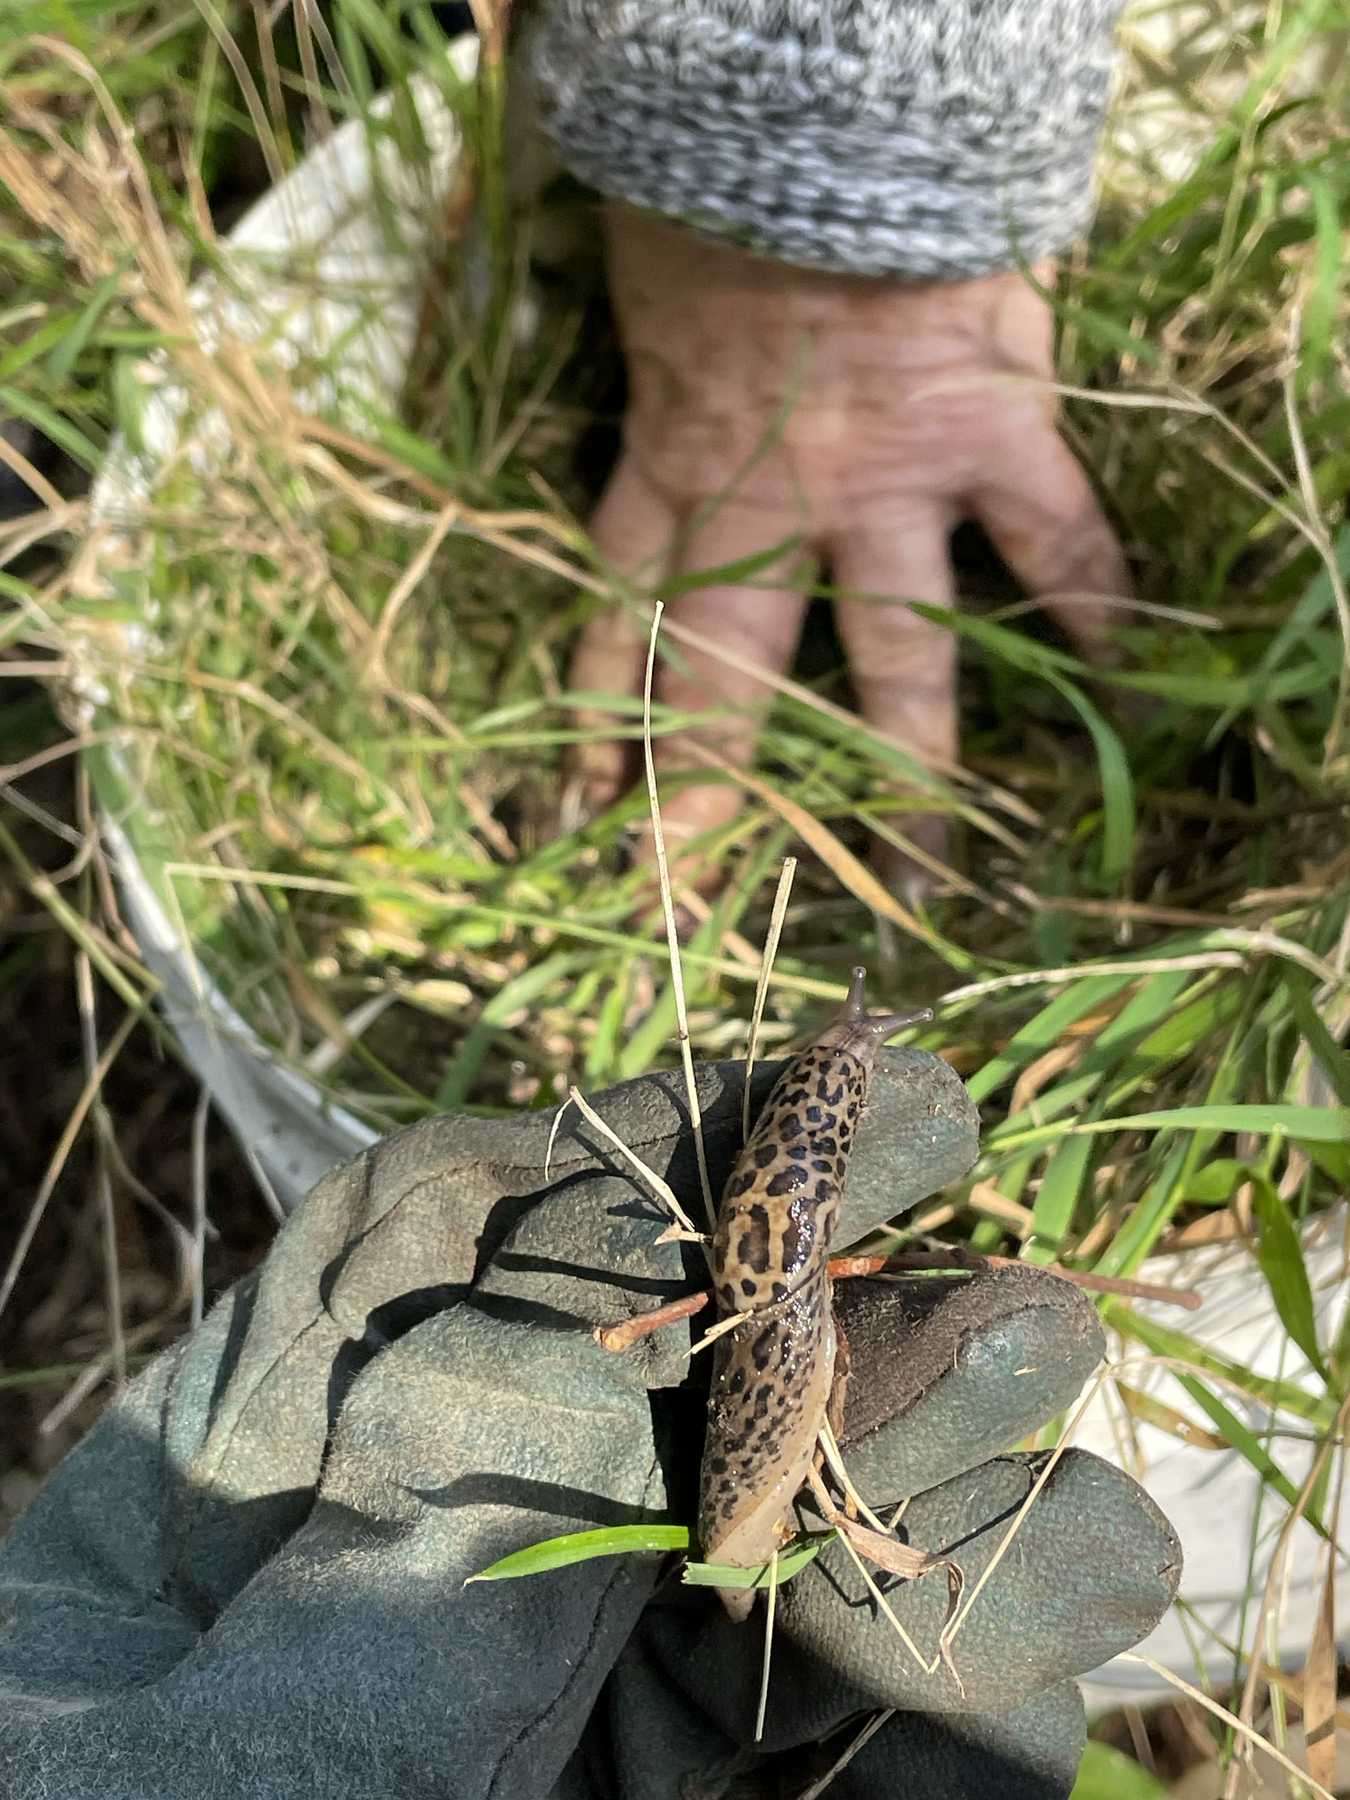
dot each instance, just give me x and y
(1155, 965)
(627, 1332)
(828, 1507)
(775, 932)
(79, 1112)
(624, 1335)
(445, 521)
(768, 1647)
(553, 1138)
(660, 1188)
(963, 1613)
(1230, 1719)
(723, 1326)
(200, 1117)
(857, 1742)
(264, 1185)
(112, 1272)
(672, 935)
(834, 1457)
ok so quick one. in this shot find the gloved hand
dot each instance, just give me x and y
(248, 1580)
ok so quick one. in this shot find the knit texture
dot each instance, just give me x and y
(928, 139)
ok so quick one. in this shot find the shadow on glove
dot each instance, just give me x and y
(248, 1580)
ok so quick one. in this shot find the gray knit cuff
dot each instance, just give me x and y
(925, 139)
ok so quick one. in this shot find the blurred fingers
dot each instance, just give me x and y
(756, 624)
(633, 529)
(1040, 511)
(903, 666)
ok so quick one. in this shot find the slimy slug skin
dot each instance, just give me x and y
(772, 1376)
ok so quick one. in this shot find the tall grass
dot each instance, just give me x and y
(322, 679)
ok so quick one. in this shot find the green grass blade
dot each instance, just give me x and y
(1108, 1774)
(1318, 1124)
(1118, 810)
(1311, 1124)
(1282, 1396)
(1057, 1199)
(790, 1562)
(731, 574)
(1280, 1255)
(584, 1546)
(1333, 1059)
(1043, 1032)
(1248, 1446)
(53, 425)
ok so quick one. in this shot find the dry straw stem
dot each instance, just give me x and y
(780, 905)
(861, 1738)
(1275, 1580)
(661, 1188)
(827, 1507)
(1243, 1729)
(853, 874)
(1321, 1670)
(955, 1624)
(770, 1613)
(957, 773)
(65, 1143)
(672, 928)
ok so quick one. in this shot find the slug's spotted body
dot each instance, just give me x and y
(772, 1375)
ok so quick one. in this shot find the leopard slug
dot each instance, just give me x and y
(772, 1376)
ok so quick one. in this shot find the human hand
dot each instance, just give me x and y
(248, 1580)
(865, 418)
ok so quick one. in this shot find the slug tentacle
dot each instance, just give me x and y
(772, 1376)
(860, 1033)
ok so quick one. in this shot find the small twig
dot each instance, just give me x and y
(627, 1332)
(860, 1739)
(624, 1335)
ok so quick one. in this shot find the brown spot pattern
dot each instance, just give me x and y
(770, 1252)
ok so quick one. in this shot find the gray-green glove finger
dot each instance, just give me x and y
(1029, 1753)
(355, 1662)
(1093, 1567)
(948, 1370)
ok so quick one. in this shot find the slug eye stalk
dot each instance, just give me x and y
(861, 1033)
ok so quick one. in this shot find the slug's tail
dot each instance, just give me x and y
(739, 1602)
(862, 1033)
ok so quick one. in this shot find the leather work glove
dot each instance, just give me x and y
(248, 1581)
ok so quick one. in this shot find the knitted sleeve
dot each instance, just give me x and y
(928, 139)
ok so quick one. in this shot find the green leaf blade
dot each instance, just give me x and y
(584, 1546)
(1280, 1255)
